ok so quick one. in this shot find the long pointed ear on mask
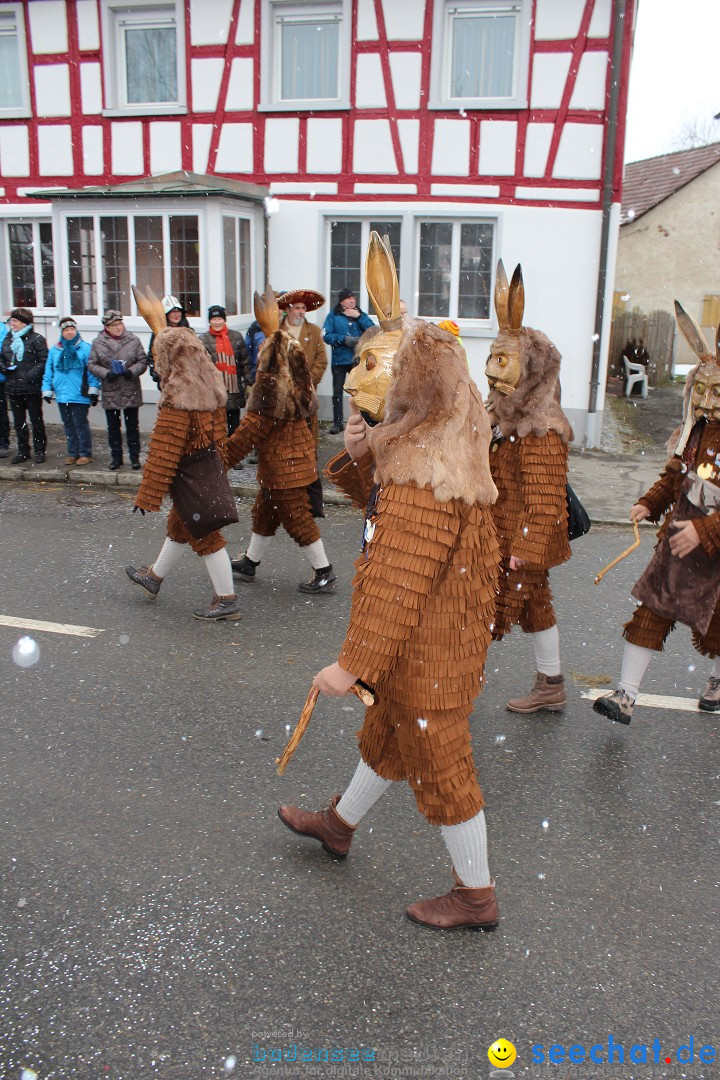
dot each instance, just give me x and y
(151, 309)
(691, 331)
(382, 283)
(516, 302)
(502, 296)
(267, 311)
(717, 344)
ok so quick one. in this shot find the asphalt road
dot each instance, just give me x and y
(158, 920)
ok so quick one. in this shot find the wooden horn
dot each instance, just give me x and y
(381, 278)
(502, 296)
(267, 311)
(516, 303)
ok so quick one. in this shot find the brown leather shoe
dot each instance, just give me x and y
(548, 693)
(474, 908)
(710, 697)
(327, 826)
(83, 461)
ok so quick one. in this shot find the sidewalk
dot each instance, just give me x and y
(607, 481)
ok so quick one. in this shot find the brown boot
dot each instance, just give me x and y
(327, 826)
(475, 908)
(547, 693)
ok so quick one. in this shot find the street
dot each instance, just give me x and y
(159, 921)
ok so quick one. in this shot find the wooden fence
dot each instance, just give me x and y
(657, 331)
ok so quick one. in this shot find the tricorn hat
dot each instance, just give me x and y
(311, 299)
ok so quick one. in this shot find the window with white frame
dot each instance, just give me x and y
(14, 83)
(455, 261)
(348, 245)
(236, 253)
(480, 53)
(30, 259)
(144, 56)
(159, 249)
(305, 53)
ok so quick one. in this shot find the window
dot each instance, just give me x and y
(144, 56)
(32, 280)
(348, 245)
(483, 51)
(236, 250)
(159, 250)
(14, 82)
(306, 54)
(455, 269)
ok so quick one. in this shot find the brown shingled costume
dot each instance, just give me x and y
(529, 463)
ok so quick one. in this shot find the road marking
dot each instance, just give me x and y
(653, 701)
(50, 627)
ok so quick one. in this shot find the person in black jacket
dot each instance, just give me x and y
(174, 316)
(22, 360)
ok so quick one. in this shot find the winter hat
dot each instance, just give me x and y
(66, 321)
(217, 312)
(344, 294)
(111, 316)
(22, 315)
(170, 303)
(450, 326)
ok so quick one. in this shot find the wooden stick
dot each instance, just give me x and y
(361, 692)
(601, 574)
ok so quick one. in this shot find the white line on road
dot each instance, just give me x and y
(653, 701)
(50, 627)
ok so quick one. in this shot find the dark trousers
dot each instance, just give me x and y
(22, 406)
(4, 422)
(132, 433)
(339, 375)
(77, 428)
(233, 419)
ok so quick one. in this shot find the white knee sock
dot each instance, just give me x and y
(362, 792)
(220, 571)
(316, 554)
(716, 668)
(546, 644)
(170, 555)
(467, 844)
(634, 665)
(257, 547)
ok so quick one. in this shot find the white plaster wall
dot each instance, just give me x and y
(579, 155)
(235, 149)
(550, 71)
(201, 137)
(369, 84)
(366, 21)
(409, 132)
(127, 148)
(281, 145)
(600, 21)
(558, 19)
(404, 21)
(91, 89)
(206, 76)
(240, 84)
(88, 24)
(589, 92)
(245, 34)
(55, 149)
(406, 72)
(324, 145)
(52, 90)
(165, 149)
(92, 142)
(451, 148)
(537, 146)
(48, 26)
(209, 21)
(498, 140)
(373, 148)
(14, 151)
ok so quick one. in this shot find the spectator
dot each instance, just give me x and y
(174, 316)
(229, 355)
(296, 304)
(23, 357)
(4, 422)
(66, 371)
(343, 327)
(118, 359)
(254, 338)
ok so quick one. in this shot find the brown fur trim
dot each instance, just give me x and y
(534, 407)
(283, 386)
(188, 378)
(435, 431)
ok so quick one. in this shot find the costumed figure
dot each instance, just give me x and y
(423, 597)
(682, 580)
(280, 405)
(191, 416)
(529, 464)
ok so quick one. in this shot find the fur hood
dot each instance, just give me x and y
(283, 387)
(435, 429)
(534, 407)
(188, 378)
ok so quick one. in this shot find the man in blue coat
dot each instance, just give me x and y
(343, 327)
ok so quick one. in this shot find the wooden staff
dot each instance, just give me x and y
(360, 691)
(601, 574)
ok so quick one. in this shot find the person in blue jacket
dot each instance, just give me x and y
(4, 419)
(343, 328)
(65, 372)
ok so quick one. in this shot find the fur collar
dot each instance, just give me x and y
(188, 378)
(534, 408)
(283, 387)
(435, 431)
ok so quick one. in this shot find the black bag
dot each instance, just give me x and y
(201, 493)
(84, 384)
(578, 520)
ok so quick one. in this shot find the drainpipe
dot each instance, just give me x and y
(620, 8)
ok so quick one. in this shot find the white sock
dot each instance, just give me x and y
(220, 571)
(716, 668)
(634, 665)
(170, 555)
(467, 844)
(316, 554)
(257, 547)
(546, 644)
(362, 792)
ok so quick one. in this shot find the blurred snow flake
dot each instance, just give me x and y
(229, 1064)
(26, 652)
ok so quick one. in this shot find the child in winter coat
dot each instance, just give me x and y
(75, 389)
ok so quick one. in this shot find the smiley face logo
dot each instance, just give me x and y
(501, 1054)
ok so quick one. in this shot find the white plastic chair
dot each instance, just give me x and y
(635, 373)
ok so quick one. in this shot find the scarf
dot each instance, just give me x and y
(68, 360)
(226, 363)
(17, 344)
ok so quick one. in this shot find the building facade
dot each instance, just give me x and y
(204, 146)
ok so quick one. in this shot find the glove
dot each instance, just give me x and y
(93, 399)
(136, 508)
(350, 341)
(127, 374)
(111, 376)
(48, 398)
